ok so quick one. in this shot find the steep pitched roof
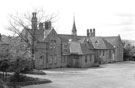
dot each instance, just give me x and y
(66, 37)
(78, 48)
(75, 48)
(112, 39)
(88, 44)
(100, 43)
(39, 34)
(46, 33)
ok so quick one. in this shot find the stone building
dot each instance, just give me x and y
(54, 50)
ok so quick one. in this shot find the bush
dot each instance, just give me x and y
(17, 77)
(21, 64)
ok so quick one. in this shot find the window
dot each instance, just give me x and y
(99, 52)
(55, 59)
(90, 57)
(62, 59)
(65, 51)
(96, 41)
(41, 57)
(50, 59)
(65, 59)
(47, 57)
(85, 59)
(47, 46)
(54, 41)
(76, 57)
(103, 52)
(65, 46)
(110, 54)
(50, 45)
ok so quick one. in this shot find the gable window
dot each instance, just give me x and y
(50, 45)
(96, 41)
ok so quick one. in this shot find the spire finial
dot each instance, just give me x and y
(74, 30)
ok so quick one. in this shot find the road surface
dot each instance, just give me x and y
(114, 75)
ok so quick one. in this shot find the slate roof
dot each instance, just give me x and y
(100, 43)
(112, 40)
(78, 48)
(89, 44)
(94, 42)
(75, 48)
(66, 37)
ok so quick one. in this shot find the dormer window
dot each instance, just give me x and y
(69, 40)
(96, 41)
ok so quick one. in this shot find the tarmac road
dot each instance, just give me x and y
(114, 75)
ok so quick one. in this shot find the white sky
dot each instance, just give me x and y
(108, 17)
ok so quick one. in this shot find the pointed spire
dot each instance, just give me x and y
(74, 30)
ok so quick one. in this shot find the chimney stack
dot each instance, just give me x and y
(48, 25)
(88, 34)
(0, 37)
(93, 32)
(41, 26)
(34, 21)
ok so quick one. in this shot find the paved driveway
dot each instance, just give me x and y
(116, 75)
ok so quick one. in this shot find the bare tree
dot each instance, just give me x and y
(21, 25)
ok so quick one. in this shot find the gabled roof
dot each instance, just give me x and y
(39, 34)
(112, 40)
(66, 37)
(100, 43)
(46, 33)
(88, 44)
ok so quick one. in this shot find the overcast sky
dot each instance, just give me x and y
(108, 17)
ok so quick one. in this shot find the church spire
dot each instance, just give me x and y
(74, 30)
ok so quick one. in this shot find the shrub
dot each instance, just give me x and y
(17, 77)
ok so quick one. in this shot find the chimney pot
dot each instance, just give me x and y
(91, 33)
(40, 26)
(88, 34)
(48, 25)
